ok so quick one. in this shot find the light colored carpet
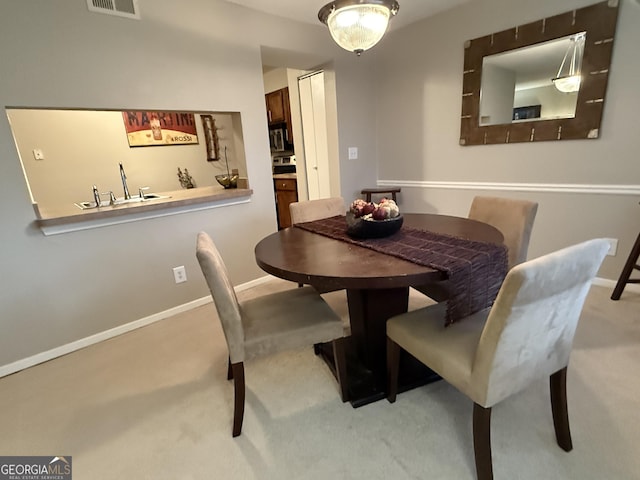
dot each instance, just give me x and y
(155, 404)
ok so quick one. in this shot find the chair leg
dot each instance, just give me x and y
(393, 367)
(340, 361)
(229, 369)
(628, 268)
(238, 408)
(558, 387)
(482, 442)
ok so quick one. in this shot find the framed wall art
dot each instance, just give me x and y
(211, 137)
(149, 128)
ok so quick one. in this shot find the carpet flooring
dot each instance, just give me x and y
(155, 404)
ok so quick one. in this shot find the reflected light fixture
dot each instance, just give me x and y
(357, 25)
(569, 74)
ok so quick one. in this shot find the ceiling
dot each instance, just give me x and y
(307, 10)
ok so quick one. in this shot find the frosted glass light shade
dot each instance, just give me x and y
(358, 26)
(568, 78)
(568, 84)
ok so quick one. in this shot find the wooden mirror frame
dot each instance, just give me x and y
(599, 21)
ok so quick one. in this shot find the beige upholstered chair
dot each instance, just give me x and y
(514, 218)
(527, 335)
(310, 210)
(271, 323)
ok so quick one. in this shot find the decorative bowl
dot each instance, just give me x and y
(227, 181)
(361, 228)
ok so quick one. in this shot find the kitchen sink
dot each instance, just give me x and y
(121, 201)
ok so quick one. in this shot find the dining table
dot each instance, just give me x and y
(377, 288)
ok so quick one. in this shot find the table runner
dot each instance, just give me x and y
(475, 270)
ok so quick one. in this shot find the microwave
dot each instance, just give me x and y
(276, 139)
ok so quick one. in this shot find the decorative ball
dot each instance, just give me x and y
(228, 181)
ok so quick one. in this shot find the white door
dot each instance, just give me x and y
(314, 134)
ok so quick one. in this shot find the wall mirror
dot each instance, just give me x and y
(508, 93)
(65, 152)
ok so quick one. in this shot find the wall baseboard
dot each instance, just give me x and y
(606, 189)
(114, 332)
(143, 322)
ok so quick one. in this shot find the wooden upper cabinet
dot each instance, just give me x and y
(278, 106)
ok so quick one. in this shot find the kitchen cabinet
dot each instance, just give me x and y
(286, 190)
(276, 105)
(279, 110)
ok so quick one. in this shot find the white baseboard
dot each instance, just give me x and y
(114, 332)
(605, 282)
(156, 317)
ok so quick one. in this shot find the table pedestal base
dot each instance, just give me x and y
(366, 349)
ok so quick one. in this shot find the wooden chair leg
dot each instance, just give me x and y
(558, 387)
(393, 366)
(482, 442)
(229, 370)
(340, 361)
(628, 268)
(238, 408)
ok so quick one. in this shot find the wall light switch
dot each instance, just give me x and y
(38, 154)
(353, 153)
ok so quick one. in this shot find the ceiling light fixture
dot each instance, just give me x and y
(569, 74)
(357, 25)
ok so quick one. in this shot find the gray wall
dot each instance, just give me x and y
(418, 111)
(399, 104)
(201, 55)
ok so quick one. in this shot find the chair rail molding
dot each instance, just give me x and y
(604, 189)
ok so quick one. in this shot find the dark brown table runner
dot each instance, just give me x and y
(475, 270)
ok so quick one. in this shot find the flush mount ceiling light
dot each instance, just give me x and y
(357, 25)
(568, 78)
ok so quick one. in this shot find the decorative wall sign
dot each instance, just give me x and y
(159, 128)
(211, 137)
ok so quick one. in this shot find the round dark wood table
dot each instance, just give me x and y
(377, 288)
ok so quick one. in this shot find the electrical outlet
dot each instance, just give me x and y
(179, 274)
(353, 153)
(613, 246)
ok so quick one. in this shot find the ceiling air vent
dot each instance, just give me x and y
(121, 8)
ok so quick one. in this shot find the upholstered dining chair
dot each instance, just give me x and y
(290, 319)
(525, 336)
(514, 218)
(310, 210)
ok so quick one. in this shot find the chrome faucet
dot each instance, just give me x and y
(123, 176)
(96, 196)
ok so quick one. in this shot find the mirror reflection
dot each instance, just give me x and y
(518, 85)
(64, 153)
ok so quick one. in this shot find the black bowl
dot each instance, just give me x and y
(359, 228)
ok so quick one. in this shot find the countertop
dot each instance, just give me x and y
(179, 198)
(285, 176)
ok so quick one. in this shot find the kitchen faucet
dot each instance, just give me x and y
(123, 176)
